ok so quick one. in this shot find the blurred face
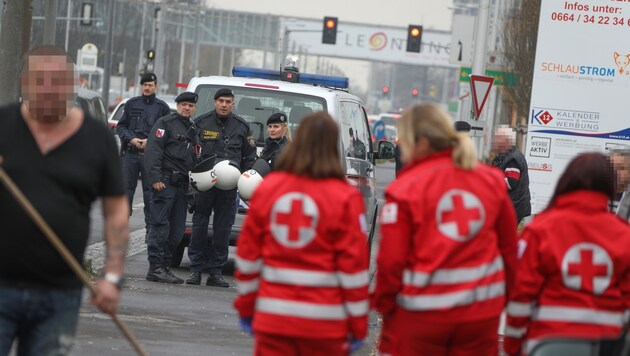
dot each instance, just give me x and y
(275, 131)
(224, 106)
(48, 87)
(148, 88)
(621, 165)
(501, 142)
(186, 109)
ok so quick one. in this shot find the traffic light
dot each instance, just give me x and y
(414, 38)
(150, 54)
(415, 92)
(329, 35)
(385, 90)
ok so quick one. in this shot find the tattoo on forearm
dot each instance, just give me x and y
(117, 246)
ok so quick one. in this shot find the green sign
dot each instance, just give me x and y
(500, 77)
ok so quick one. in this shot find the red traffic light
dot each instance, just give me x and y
(385, 89)
(415, 92)
(330, 23)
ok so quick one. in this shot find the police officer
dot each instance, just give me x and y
(229, 137)
(279, 136)
(170, 154)
(139, 116)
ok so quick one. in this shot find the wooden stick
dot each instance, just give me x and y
(61, 248)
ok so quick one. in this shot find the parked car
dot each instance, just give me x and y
(92, 104)
(260, 93)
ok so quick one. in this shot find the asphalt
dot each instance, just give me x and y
(172, 319)
(177, 319)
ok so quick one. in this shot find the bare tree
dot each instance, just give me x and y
(519, 43)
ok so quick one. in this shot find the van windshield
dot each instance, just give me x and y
(255, 105)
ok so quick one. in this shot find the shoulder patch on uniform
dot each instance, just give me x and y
(390, 213)
(251, 141)
(159, 133)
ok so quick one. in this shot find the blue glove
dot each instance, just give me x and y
(355, 344)
(246, 325)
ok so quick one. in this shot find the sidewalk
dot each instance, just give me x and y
(171, 319)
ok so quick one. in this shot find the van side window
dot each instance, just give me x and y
(354, 133)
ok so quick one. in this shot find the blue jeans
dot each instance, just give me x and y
(44, 322)
(168, 214)
(203, 254)
(133, 165)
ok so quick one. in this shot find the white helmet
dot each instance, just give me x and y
(248, 182)
(227, 175)
(202, 177)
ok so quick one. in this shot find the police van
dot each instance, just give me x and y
(259, 93)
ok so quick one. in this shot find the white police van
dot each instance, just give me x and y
(258, 93)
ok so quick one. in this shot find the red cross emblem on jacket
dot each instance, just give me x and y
(460, 215)
(588, 267)
(294, 219)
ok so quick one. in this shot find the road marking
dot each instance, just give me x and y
(137, 206)
(96, 251)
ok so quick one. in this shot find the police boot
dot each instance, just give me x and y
(194, 278)
(159, 274)
(170, 273)
(216, 280)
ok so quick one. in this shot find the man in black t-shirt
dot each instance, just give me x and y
(62, 161)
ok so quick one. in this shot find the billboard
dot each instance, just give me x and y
(375, 43)
(580, 88)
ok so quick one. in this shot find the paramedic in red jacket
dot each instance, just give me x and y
(574, 273)
(448, 244)
(302, 262)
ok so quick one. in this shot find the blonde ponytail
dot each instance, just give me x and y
(464, 152)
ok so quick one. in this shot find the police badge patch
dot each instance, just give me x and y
(159, 133)
(251, 141)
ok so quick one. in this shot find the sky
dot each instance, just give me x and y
(432, 14)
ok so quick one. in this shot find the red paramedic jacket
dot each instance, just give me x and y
(573, 276)
(448, 242)
(302, 260)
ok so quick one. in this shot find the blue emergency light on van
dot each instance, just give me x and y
(304, 78)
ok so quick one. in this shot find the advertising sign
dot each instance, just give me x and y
(376, 43)
(580, 90)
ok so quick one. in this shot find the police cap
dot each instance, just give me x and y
(223, 92)
(186, 96)
(148, 77)
(277, 118)
(462, 126)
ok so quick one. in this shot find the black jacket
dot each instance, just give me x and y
(228, 138)
(139, 116)
(170, 148)
(519, 188)
(272, 150)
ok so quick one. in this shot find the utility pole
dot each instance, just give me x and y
(68, 13)
(15, 34)
(479, 61)
(195, 63)
(160, 51)
(50, 21)
(142, 52)
(109, 48)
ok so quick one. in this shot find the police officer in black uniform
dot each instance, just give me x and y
(274, 145)
(170, 154)
(229, 137)
(139, 116)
